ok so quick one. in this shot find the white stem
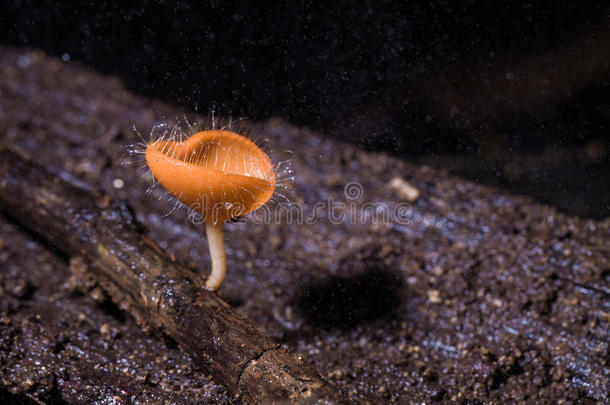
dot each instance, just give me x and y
(216, 242)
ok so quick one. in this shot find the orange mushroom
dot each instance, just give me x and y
(218, 173)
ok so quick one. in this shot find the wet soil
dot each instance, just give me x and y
(464, 295)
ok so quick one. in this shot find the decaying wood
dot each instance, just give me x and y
(160, 293)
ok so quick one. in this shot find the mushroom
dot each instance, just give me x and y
(221, 175)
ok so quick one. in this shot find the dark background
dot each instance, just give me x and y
(509, 94)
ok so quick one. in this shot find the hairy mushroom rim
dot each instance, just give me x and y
(219, 174)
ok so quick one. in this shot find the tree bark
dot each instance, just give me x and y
(160, 294)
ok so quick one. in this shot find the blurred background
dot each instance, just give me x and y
(509, 94)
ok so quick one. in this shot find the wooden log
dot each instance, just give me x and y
(161, 294)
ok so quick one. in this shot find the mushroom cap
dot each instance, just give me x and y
(218, 173)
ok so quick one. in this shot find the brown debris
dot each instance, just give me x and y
(404, 190)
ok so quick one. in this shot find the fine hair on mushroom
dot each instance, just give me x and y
(217, 171)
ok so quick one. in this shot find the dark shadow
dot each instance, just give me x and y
(233, 300)
(348, 301)
(112, 309)
(14, 399)
(8, 398)
(34, 236)
(170, 342)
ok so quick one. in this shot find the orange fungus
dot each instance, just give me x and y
(218, 173)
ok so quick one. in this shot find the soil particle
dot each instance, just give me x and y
(404, 190)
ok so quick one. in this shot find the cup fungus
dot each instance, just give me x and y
(218, 173)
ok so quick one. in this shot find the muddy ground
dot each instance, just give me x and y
(464, 295)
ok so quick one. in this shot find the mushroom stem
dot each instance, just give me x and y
(216, 242)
